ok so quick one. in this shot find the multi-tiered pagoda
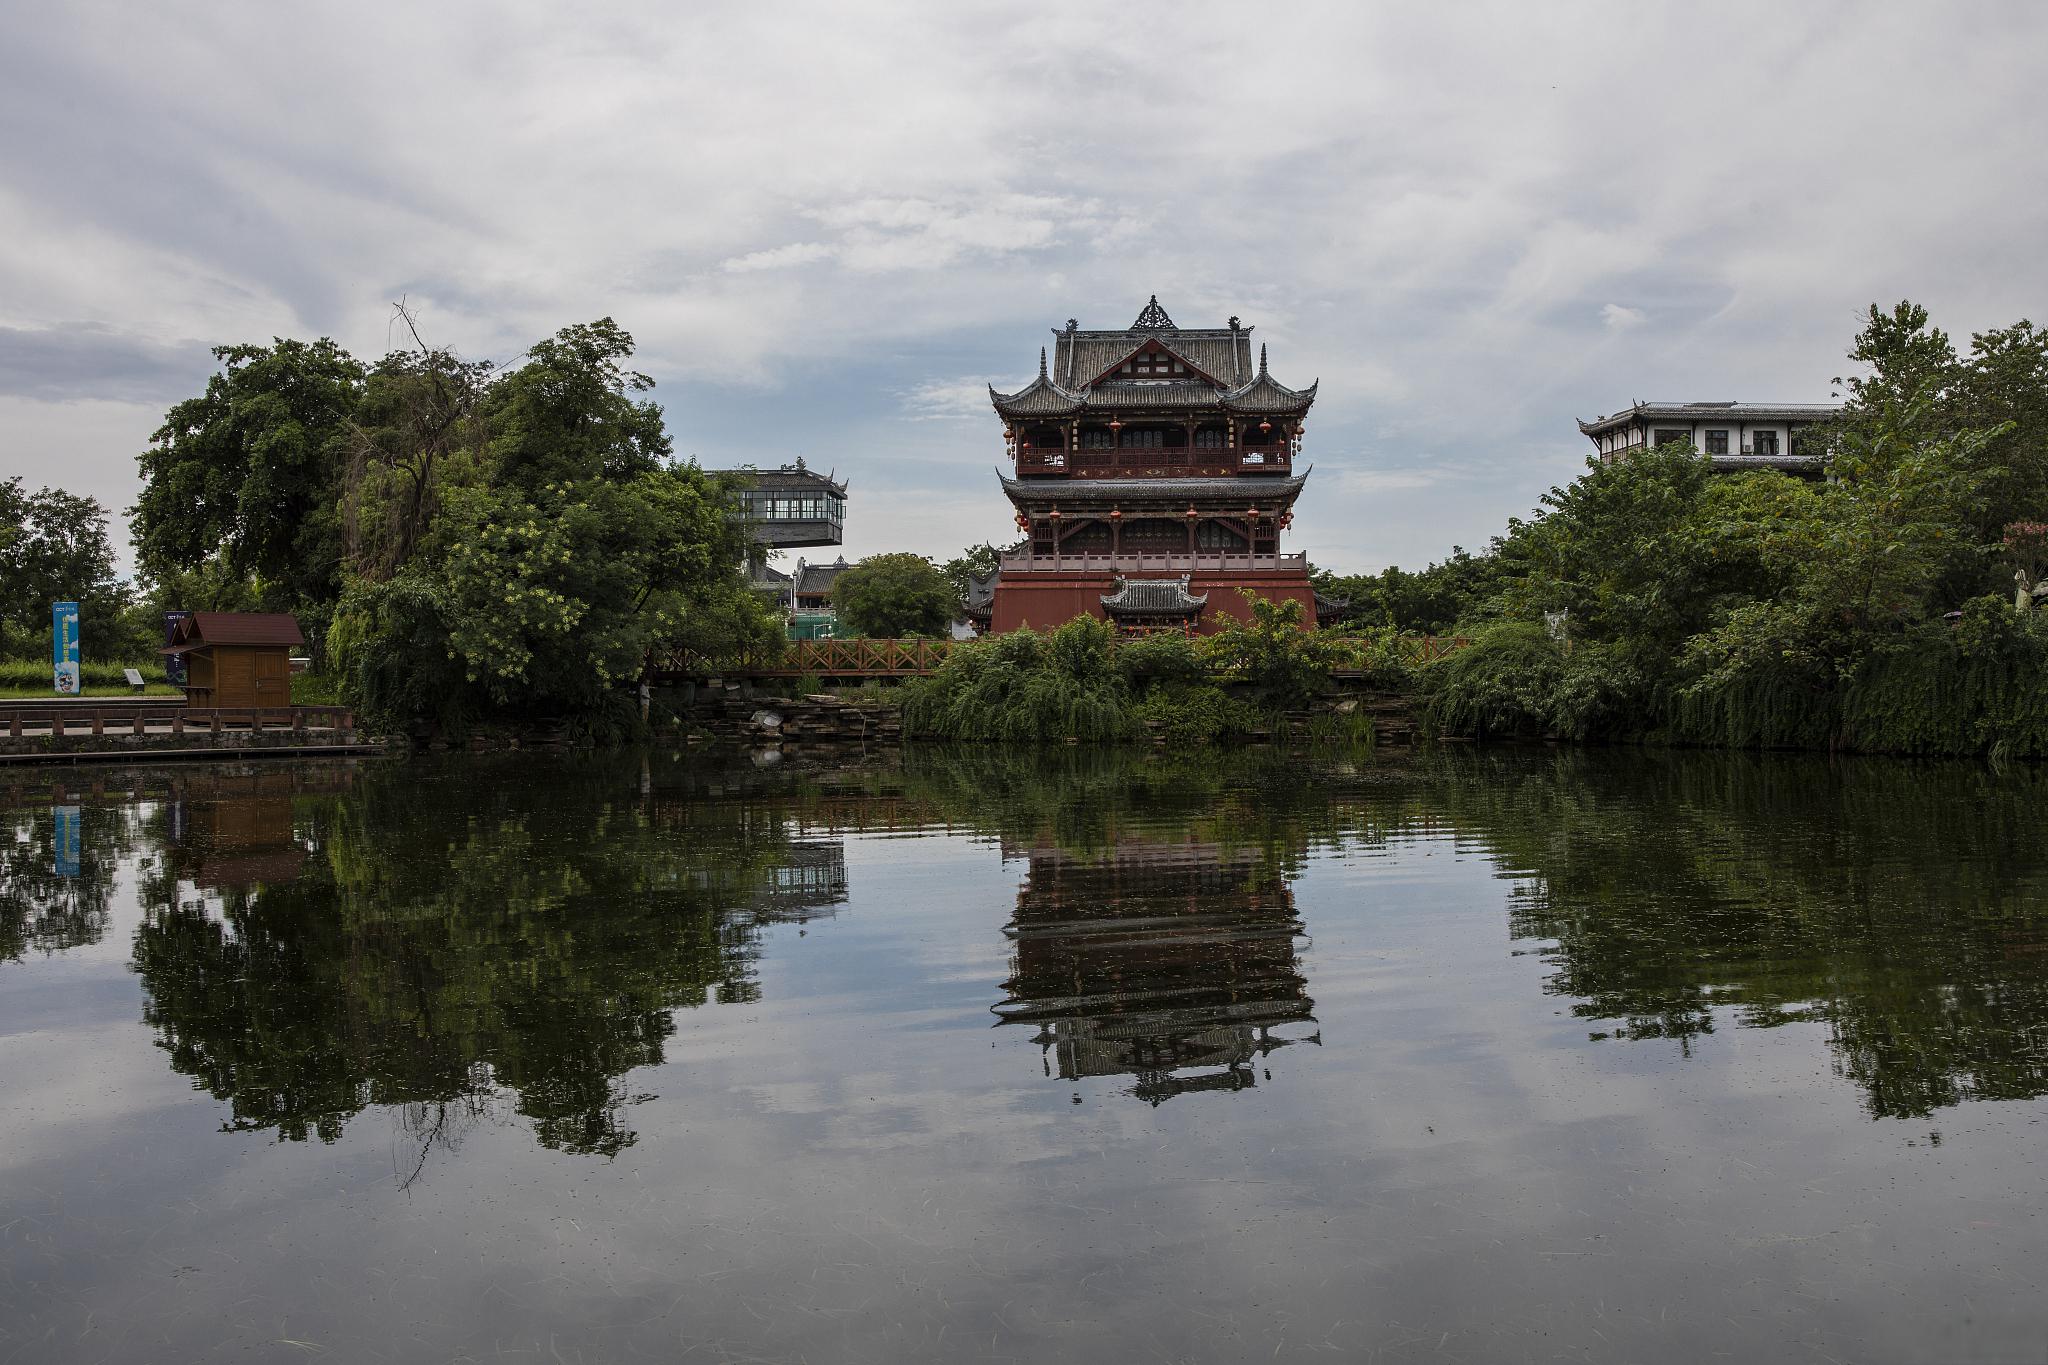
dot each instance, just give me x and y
(1154, 471)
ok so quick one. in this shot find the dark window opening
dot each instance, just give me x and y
(1717, 443)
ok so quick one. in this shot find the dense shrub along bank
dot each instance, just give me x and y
(1078, 682)
(1873, 609)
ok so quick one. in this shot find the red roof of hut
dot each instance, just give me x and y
(235, 628)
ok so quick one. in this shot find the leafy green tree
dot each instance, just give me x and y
(974, 562)
(558, 558)
(54, 548)
(893, 596)
(418, 415)
(1990, 404)
(1431, 601)
(1284, 662)
(248, 473)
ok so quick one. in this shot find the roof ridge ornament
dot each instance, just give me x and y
(1262, 360)
(1041, 362)
(1154, 319)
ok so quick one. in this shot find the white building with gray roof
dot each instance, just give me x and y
(1733, 435)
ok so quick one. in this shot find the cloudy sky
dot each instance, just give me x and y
(829, 227)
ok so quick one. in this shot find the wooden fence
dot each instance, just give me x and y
(173, 717)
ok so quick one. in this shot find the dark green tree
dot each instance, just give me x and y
(249, 472)
(893, 596)
(561, 553)
(54, 548)
(974, 562)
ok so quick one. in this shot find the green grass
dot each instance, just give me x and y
(31, 678)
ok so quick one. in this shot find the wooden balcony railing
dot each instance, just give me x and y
(1140, 563)
(855, 658)
(1154, 461)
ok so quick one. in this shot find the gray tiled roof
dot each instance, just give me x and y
(1040, 398)
(816, 578)
(1153, 597)
(981, 592)
(1266, 394)
(788, 476)
(1172, 393)
(1077, 492)
(1044, 398)
(1222, 354)
(1711, 412)
(1080, 356)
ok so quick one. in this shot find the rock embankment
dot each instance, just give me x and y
(817, 719)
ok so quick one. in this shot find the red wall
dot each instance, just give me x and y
(1046, 600)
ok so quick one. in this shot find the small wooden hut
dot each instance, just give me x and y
(237, 659)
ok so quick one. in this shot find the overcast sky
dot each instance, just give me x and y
(829, 227)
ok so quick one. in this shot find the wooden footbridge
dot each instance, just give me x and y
(858, 660)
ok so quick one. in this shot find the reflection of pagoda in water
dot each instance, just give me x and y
(1173, 963)
(805, 880)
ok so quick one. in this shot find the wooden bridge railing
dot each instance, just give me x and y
(174, 716)
(915, 658)
(826, 658)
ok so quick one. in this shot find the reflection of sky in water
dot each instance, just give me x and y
(1602, 1057)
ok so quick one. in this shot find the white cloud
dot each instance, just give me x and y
(949, 399)
(779, 258)
(1430, 209)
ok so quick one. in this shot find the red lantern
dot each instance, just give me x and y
(1252, 512)
(1116, 514)
(1054, 514)
(1024, 445)
(1264, 426)
(1192, 514)
(1023, 522)
(1007, 433)
(1286, 520)
(1116, 424)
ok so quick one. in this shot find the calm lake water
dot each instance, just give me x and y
(988, 1056)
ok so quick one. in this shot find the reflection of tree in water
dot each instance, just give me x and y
(44, 908)
(1903, 905)
(453, 934)
(1171, 962)
(41, 909)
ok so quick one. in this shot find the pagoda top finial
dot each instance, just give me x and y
(1041, 362)
(1154, 319)
(1262, 360)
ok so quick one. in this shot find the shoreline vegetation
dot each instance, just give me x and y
(1891, 606)
(474, 550)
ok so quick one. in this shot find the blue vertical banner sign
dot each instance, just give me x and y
(65, 840)
(174, 664)
(64, 646)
